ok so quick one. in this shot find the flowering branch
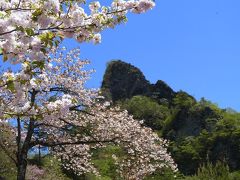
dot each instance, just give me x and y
(34, 28)
(53, 144)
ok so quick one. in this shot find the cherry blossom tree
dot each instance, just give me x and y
(31, 28)
(52, 108)
(47, 99)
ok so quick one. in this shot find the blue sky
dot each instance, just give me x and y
(193, 45)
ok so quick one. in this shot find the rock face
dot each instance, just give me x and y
(123, 81)
(161, 91)
(186, 122)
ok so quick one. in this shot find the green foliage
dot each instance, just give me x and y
(183, 100)
(190, 120)
(190, 152)
(208, 171)
(7, 154)
(234, 175)
(7, 167)
(229, 122)
(102, 158)
(53, 169)
(49, 165)
(147, 109)
(105, 164)
(165, 174)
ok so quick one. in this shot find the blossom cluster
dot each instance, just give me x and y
(34, 27)
(60, 74)
(145, 152)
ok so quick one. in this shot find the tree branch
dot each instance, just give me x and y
(73, 28)
(54, 144)
(53, 126)
(19, 2)
(18, 137)
(8, 32)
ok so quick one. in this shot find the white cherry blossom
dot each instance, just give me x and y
(32, 28)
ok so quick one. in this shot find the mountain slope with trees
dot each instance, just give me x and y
(199, 131)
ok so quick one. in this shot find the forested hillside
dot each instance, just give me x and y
(199, 131)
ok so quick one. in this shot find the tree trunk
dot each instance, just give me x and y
(22, 167)
(22, 154)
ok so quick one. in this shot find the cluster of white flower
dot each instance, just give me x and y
(33, 27)
(45, 80)
(101, 125)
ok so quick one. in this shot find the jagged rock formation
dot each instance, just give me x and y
(123, 81)
(161, 91)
